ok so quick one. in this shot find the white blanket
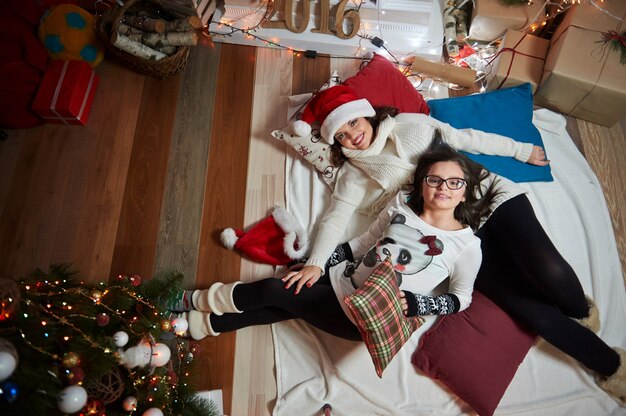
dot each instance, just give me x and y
(313, 368)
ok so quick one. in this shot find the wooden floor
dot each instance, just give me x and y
(163, 166)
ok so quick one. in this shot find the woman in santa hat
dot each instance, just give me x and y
(522, 271)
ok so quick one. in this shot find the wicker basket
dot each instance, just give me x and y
(110, 20)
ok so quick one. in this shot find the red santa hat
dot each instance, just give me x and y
(332, 107)
(277, 239)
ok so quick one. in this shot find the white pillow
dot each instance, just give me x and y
(311, 147)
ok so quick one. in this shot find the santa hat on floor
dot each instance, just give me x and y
(277, 239)
(332, 107)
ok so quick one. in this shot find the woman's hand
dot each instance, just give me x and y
(403, 302)
(308, 275)
(538, 157)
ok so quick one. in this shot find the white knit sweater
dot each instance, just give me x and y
(372, 176)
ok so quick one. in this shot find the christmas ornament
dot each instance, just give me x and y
(96, 295)
(160, 355)
(137, 356)
(71, 360)
(154, 411)
(102, 319)
(94, 407)
(172, 378)
(135, 280)
(130, 404)
(9, 391)
(120, 338)
(8, 359)
(75, 375)
(109, 387)
(72, 399)
(166, 325)
(180, 325)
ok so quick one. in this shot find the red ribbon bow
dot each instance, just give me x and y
(431, 240)
(613, 35)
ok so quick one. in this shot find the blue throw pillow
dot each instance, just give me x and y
(508, 112)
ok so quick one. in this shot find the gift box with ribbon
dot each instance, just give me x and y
(583, 76)
(491, 18)
(519, 59)
(66, 93)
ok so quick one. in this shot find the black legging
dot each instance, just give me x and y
(267, 301)
(526, 276)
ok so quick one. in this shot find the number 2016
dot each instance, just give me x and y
(289, 23)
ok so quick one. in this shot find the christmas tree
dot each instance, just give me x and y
(109, 349)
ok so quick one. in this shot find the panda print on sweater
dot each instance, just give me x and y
(409, 249)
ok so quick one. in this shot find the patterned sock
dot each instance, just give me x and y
(181, 302)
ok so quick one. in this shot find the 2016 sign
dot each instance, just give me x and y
(341, 16)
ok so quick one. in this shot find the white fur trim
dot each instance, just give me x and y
(200, 325)
(300, 128)
(293, 232)
(229, 238)
(342, 114)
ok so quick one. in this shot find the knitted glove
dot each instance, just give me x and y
(431, 305)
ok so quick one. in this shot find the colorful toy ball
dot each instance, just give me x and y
(68, 33)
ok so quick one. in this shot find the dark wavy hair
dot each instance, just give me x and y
(336, 155)
(477, 202)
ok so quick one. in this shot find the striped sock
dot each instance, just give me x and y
(181, 302)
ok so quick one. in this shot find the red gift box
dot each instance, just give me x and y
(66, 92)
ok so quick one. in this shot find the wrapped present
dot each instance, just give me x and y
(582, 76)
(66, 92)
(491, 19)
(519, 59)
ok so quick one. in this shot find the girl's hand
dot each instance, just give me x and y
(538, 157)
(308, 275)
(403, 302)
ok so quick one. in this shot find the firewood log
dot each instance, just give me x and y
(145, 23)
(135, 48)
(158, 40)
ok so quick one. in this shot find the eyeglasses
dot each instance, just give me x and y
(452, 183)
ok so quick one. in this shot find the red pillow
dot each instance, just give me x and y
(384, 85)
(475, 353)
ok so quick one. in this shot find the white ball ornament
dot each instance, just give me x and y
(130, 404)
(8, 363)
(160, 355)
(72, 399)
(180, 325)
(120, 338)
(153, 411)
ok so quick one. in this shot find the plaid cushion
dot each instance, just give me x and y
(378, 314)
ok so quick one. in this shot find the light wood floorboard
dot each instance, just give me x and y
(254, 355)
(181, 215)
